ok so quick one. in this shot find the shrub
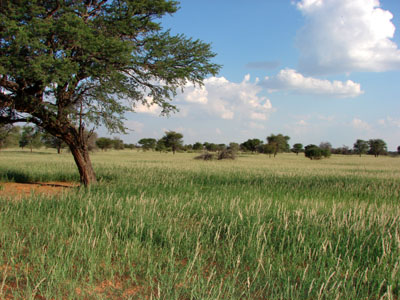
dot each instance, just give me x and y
(226, 154)
(205, 156)
(313, 152)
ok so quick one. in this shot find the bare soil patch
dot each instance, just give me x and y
(19, 190)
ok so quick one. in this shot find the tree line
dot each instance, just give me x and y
(173, 141)
(33, 137)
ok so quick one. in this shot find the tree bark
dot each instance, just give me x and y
(82, 160)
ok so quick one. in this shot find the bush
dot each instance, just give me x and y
(205, 156)
(313, 152)
(226, 154)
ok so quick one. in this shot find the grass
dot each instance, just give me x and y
(160, 226)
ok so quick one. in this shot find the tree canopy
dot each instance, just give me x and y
(66, 65)
(377, 147)
(361, 147)
(173, 140)
(279, 142)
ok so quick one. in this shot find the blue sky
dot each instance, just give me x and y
(316, 70)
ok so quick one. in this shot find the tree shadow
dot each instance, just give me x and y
(16, 176)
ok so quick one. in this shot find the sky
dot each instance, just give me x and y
(315, 70)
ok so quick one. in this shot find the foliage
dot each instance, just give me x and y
(68, 65)
(210, 147)
(361, 147)
(279, 142)
(251, 145)
(147, 143)
(104, 143)
(160, 146)
(205, 156)
(117, 144)
(377, 147)
(31, 137)
(9, 135)
(297, 148)
(313, 152)
(197, 146)
(226, 154)
(235, 147)
(51, 141)
(173, 140)
(266, 149)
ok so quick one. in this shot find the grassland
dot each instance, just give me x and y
(163, 226)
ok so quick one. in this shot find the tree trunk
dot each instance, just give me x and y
(82, 160)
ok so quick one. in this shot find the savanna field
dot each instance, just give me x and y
(163, 226)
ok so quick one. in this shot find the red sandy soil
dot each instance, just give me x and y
(19, 190)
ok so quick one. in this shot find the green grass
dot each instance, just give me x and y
(160, 226)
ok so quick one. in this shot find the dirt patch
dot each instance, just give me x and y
(20, 190)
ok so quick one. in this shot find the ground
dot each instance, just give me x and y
(17, 190)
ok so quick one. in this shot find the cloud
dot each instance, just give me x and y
(291, 80)
(389, 122)
(343, 36)
(359, 124)
(135, 126)
(262, 65)
(226, 100)
(152, 109)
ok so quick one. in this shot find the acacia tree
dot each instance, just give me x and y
(361, 147)
(298, 147)
(148, 143)
(251, 145)
(377, 147)
(68, 65)
(279, 142)
(173, 140)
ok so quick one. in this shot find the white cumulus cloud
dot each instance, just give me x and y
(343, 36)
(225, 99)
(291, 80)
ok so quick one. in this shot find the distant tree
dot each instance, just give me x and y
(251, 145)
(188, 147)
(313, 152)
(160, 146)
(9, 135)
(226, 154)
(104, 143)
(173, 140)
(198, 146)
(211, 147)
(377, 147)
(130, 146)
(221, 147)
(398, 149)
(117, 143)
(267, 149)
(51, 141)
(344, 150)
(297, 148)
(147, 143)
(325, 146)
(279, 142)
(361, 147)
(31, 137)
(235, 147)
(326, 149)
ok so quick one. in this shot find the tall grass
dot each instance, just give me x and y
(163, 226)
